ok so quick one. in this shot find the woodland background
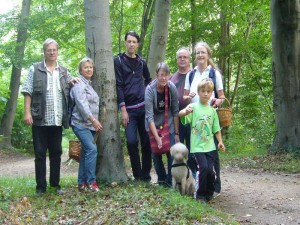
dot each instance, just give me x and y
(238, 32)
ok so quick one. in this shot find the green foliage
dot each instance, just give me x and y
(253, 121)
(132, 203)
(21, 137)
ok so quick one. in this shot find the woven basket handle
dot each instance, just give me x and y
(226, 101)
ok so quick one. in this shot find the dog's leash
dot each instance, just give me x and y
(183, 164)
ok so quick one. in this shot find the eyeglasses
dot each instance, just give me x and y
(201, 52)
(51, 50)
(183, 57)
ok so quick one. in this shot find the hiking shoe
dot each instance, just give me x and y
(201, 199)
(93, 187)
(39, 193)
(82, 187)
(59, 191)
(216, 194)
(209, 197)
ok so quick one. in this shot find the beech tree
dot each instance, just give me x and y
(159, 35)
(110, 165)
(17, 59)
(285, 23)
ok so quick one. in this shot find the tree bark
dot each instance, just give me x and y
(11, 105)
(285, 21)
(110, 164)
(159, 35)
(193, 25)
(118, 24)
(146, 20)
(224, 46)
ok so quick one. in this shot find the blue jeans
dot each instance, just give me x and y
(162, 176)
(88, 156)
(140, 170)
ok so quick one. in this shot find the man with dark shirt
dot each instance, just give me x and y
(183, 62)
(132, 76)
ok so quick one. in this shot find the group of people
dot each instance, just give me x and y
(51, 94)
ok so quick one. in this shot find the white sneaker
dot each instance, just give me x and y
(216, 194)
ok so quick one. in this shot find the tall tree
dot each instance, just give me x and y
(146, 21)
(285, 24)
(159, 35)
(11, 105)
(110, 164)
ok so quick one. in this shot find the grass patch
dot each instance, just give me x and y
(261, 159)
(131, 203)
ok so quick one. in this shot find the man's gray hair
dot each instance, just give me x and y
(49, 41)
(183, 49)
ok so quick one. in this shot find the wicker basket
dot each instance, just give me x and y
(74, 150)
(225, 115)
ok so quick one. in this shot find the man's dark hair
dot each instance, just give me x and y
(133, 34)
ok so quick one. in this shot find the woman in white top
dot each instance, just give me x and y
(201, 71)
(204, 68)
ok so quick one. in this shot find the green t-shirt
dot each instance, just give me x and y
(204, 124)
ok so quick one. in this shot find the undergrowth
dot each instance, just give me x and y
(131, 203)
(261, 159)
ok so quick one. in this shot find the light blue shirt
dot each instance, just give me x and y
(86, 104)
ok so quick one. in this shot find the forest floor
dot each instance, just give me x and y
(250, 196)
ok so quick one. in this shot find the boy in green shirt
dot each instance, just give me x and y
(204, 123)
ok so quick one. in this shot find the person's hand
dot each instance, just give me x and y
(188, 110)
(216, 102)
(189, 97)
(221, 146)
(177, 138)
(74, 81)
(125, 118)
(28, 118)
(97, 125)
(159, 142)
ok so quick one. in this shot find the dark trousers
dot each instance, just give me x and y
(47, 137)
(164, 178)
(205, 163)
(217, 184)
(185, 137)
(141, 171)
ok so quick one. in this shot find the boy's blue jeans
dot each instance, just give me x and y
(88, 157)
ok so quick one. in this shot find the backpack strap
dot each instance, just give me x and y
(142, 61)
(211, 75)
(191, 76)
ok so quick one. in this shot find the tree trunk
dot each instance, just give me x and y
(193, 26)
(159, 35)
(147, 17)
(118, 24)
(11, 105)
(285, 23)
(110, 165)
(224, 46)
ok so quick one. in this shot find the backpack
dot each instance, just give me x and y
(211, 75)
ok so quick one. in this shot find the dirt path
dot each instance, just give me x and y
(250, 196)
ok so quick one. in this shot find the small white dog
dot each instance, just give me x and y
(182, 178)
